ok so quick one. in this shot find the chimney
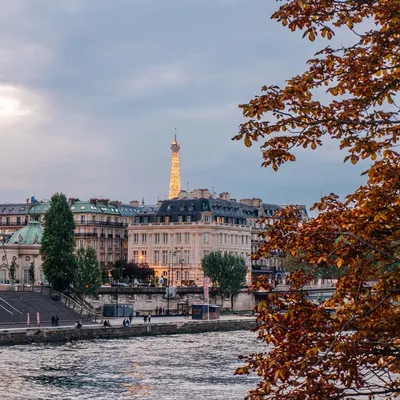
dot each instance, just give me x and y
(134, 203)
(225, 196)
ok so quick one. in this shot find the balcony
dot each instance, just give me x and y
(86, 234)
(101, 223)
(21, 223)
(102, 235)
(110, 235)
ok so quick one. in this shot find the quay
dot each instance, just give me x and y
(162, 326)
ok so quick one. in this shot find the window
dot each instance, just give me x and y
(143, 256)
(109, 258)
(144, 238)
(186, 257)
(188, 218)
(26, 276)
(177, 275)
(95, 244)
(186, 275)
(165, 257)
(207, 218)
(221, 238)
(180, 218)
(156, 238)
(83, 219)
(135, 256)
(81, 244)
(165, 237)
(3, 276)
(135, 238)
(156, 256)
(232, 239)
(205, 237)
(187, 237)
(102, 258)
(178, 237)
(18, 220)
(102, 244)
(109, 244)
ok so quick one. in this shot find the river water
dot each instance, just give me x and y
(178, 367)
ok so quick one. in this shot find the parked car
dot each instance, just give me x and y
(119, 284)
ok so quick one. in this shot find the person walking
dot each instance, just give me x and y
(57, 321)
(53, 320)
(144, 318)
(149, 318)
(130, 318)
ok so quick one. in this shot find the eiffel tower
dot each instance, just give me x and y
(175, 176)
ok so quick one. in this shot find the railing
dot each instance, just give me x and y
(21, 223)
(101, 223)
(191, 223)
(82, 234)
(72, 304)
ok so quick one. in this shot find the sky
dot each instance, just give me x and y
(91, 92)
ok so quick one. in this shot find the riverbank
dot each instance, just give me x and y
(92, 332)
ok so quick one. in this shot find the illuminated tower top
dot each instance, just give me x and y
(175, 177)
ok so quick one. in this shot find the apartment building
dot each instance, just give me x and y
(175, 237)
(13, 217)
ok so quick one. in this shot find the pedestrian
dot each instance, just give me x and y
(53, 320)
(163, 310)
(157, 310)
(57, 321)
(144, 318)
(149, 318)
(130, 318)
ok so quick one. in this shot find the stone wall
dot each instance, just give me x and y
(146, 300)
(53, 335)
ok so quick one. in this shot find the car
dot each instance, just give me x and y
(119, 284)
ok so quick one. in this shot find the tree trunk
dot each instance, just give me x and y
(232, 294)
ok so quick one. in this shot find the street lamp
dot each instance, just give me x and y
(170, 266)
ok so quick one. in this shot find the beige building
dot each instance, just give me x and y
(174, 239)
(21, 251)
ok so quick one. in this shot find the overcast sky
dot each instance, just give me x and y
(91, 91)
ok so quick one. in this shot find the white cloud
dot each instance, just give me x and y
(23, 60)
(159, 77)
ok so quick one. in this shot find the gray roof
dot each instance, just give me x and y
(15, 209)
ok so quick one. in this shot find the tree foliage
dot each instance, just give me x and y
(57, 247)
(330, 271)
(226, 272)
(353, 351)
(132, 270)
(88, 273)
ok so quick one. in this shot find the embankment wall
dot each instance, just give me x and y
(62, 335)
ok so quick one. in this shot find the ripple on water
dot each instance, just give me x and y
(176, 367)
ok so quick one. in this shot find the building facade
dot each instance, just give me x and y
(173, 239)
(22, 251)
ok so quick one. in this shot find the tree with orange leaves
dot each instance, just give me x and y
(353, 352)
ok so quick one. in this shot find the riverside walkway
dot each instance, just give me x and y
(90, 331)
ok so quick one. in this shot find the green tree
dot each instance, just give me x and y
(88, 272)
(131, 270)
(31, 272)
(57, 249)
(227, 273)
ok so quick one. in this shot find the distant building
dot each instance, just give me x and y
(175, 237)
(22, 249)
(13, 217)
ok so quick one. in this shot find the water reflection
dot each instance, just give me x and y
(166, 367)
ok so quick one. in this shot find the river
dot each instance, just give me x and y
(177, 367)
